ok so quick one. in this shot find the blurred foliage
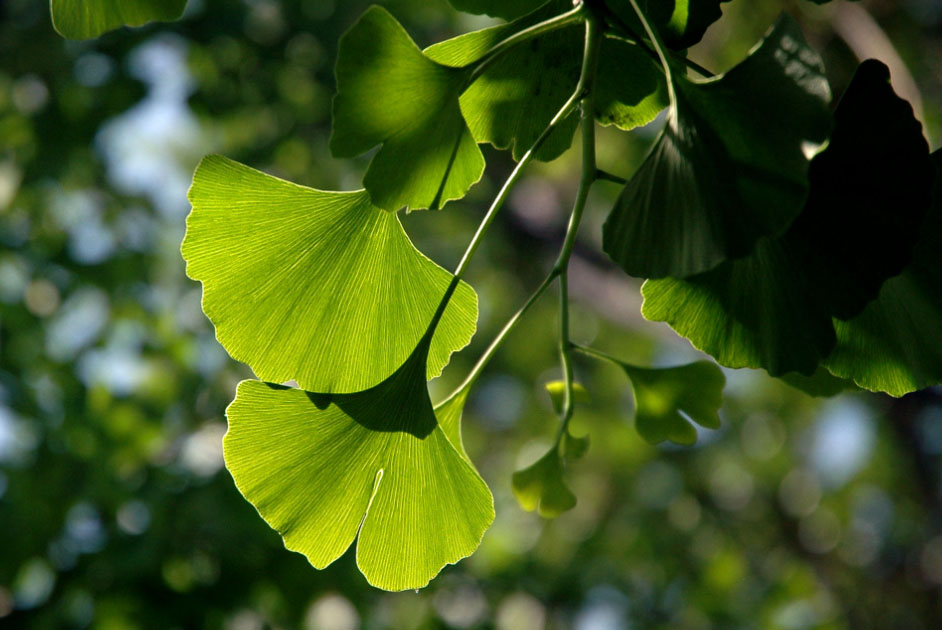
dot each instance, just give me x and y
(115, 511)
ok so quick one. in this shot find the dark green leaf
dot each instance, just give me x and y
(774, 308)
(511, 103)
(730, 165)
(821, 384)
(681, 23)
(895, 344)
(389, 93)
(84, 19)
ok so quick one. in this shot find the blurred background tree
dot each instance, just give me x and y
(115, 509)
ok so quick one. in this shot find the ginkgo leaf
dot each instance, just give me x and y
(323, 468)
(895, 344)
(667, 400)
(389, 93)
(84, 19)
(541, 486)
(319, 287)
(774, 309)
(681, 23)
(515, 98)
(721, 176)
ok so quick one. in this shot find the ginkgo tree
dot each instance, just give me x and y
(776, 227)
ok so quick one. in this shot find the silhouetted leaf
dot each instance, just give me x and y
(774, 308)
(389, 93)
(84, 19)
(321, 287)
(895, 344)
(321, 468)
(729, 166)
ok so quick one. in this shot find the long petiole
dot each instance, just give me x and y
(501, 197)
(597, 354)
(499, 339)
(586, 79)
(563, 20)
(593, 41)
(659, 49)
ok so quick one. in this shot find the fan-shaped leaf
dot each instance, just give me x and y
(774, 308)
(541, 486)
(84, 19)
(389, 93)
(321, 287)
(729, 166)
(322, 467)
(667, 399)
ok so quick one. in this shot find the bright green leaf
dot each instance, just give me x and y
(389, 93)
(681, 23)
(541, 486)
(774, 308)
(449, 414)
(321, 468)
(895, 344)
(511, 103)
(84, 19)
(729, 166)
(320, 287)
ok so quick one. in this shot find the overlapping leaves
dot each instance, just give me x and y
(323, 469)
(85, 19)
(319, 287)
(895, 344)
(389, 93)
(729, 166)
(511, 103)
(870, 190)
(681, 22)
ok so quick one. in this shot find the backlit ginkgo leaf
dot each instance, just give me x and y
(667, 400)
(541, 486)
(320, 287)
(322, 469)
(84, 19)
(870, 189)
(722, 175)
(389, 93)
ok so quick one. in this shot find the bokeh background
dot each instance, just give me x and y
(115, 510)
